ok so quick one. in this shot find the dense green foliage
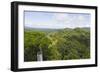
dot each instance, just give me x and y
(60, 44)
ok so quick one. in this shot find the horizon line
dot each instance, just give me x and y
(54, 28)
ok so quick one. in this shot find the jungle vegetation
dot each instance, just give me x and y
(57, 44)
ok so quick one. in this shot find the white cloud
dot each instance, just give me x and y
(62, 20)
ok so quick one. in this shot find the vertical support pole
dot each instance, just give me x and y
(39, 55)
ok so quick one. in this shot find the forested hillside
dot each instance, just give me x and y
(62, 44)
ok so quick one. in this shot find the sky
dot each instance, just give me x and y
(56, 20)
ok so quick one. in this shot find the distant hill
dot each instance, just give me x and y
(42, 29)
(53, 30)
(86, 28)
